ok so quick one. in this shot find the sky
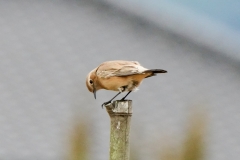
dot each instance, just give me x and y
(222, 11)
(211, 23)
(227, 12)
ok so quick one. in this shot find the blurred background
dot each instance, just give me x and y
(47, 49)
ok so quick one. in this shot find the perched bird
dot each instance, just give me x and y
(119, 76)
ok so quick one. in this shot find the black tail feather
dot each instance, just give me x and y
(158, 71)
(155, 71)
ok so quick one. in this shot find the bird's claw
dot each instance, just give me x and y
(106, 103)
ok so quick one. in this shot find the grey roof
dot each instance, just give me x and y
(48, 47)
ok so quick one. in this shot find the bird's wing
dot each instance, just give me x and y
(119, 68)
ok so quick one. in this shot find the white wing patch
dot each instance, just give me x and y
(141, 69)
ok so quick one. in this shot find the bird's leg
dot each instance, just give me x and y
(126, 95)
(105, 103)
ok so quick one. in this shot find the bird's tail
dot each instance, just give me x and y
(154, 72)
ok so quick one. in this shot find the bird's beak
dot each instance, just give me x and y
(94, 92)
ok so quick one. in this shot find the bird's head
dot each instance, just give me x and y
(92, 83)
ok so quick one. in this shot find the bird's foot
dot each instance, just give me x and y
(106, 103)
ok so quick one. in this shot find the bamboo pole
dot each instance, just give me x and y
(120, 113)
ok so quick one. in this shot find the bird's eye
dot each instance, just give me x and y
(91, 81)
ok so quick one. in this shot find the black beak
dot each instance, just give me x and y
(94, 92)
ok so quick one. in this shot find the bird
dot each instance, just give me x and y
(118, 75)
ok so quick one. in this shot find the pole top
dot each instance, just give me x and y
(120, 107)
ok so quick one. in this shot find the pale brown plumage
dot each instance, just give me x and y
(119, 76)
